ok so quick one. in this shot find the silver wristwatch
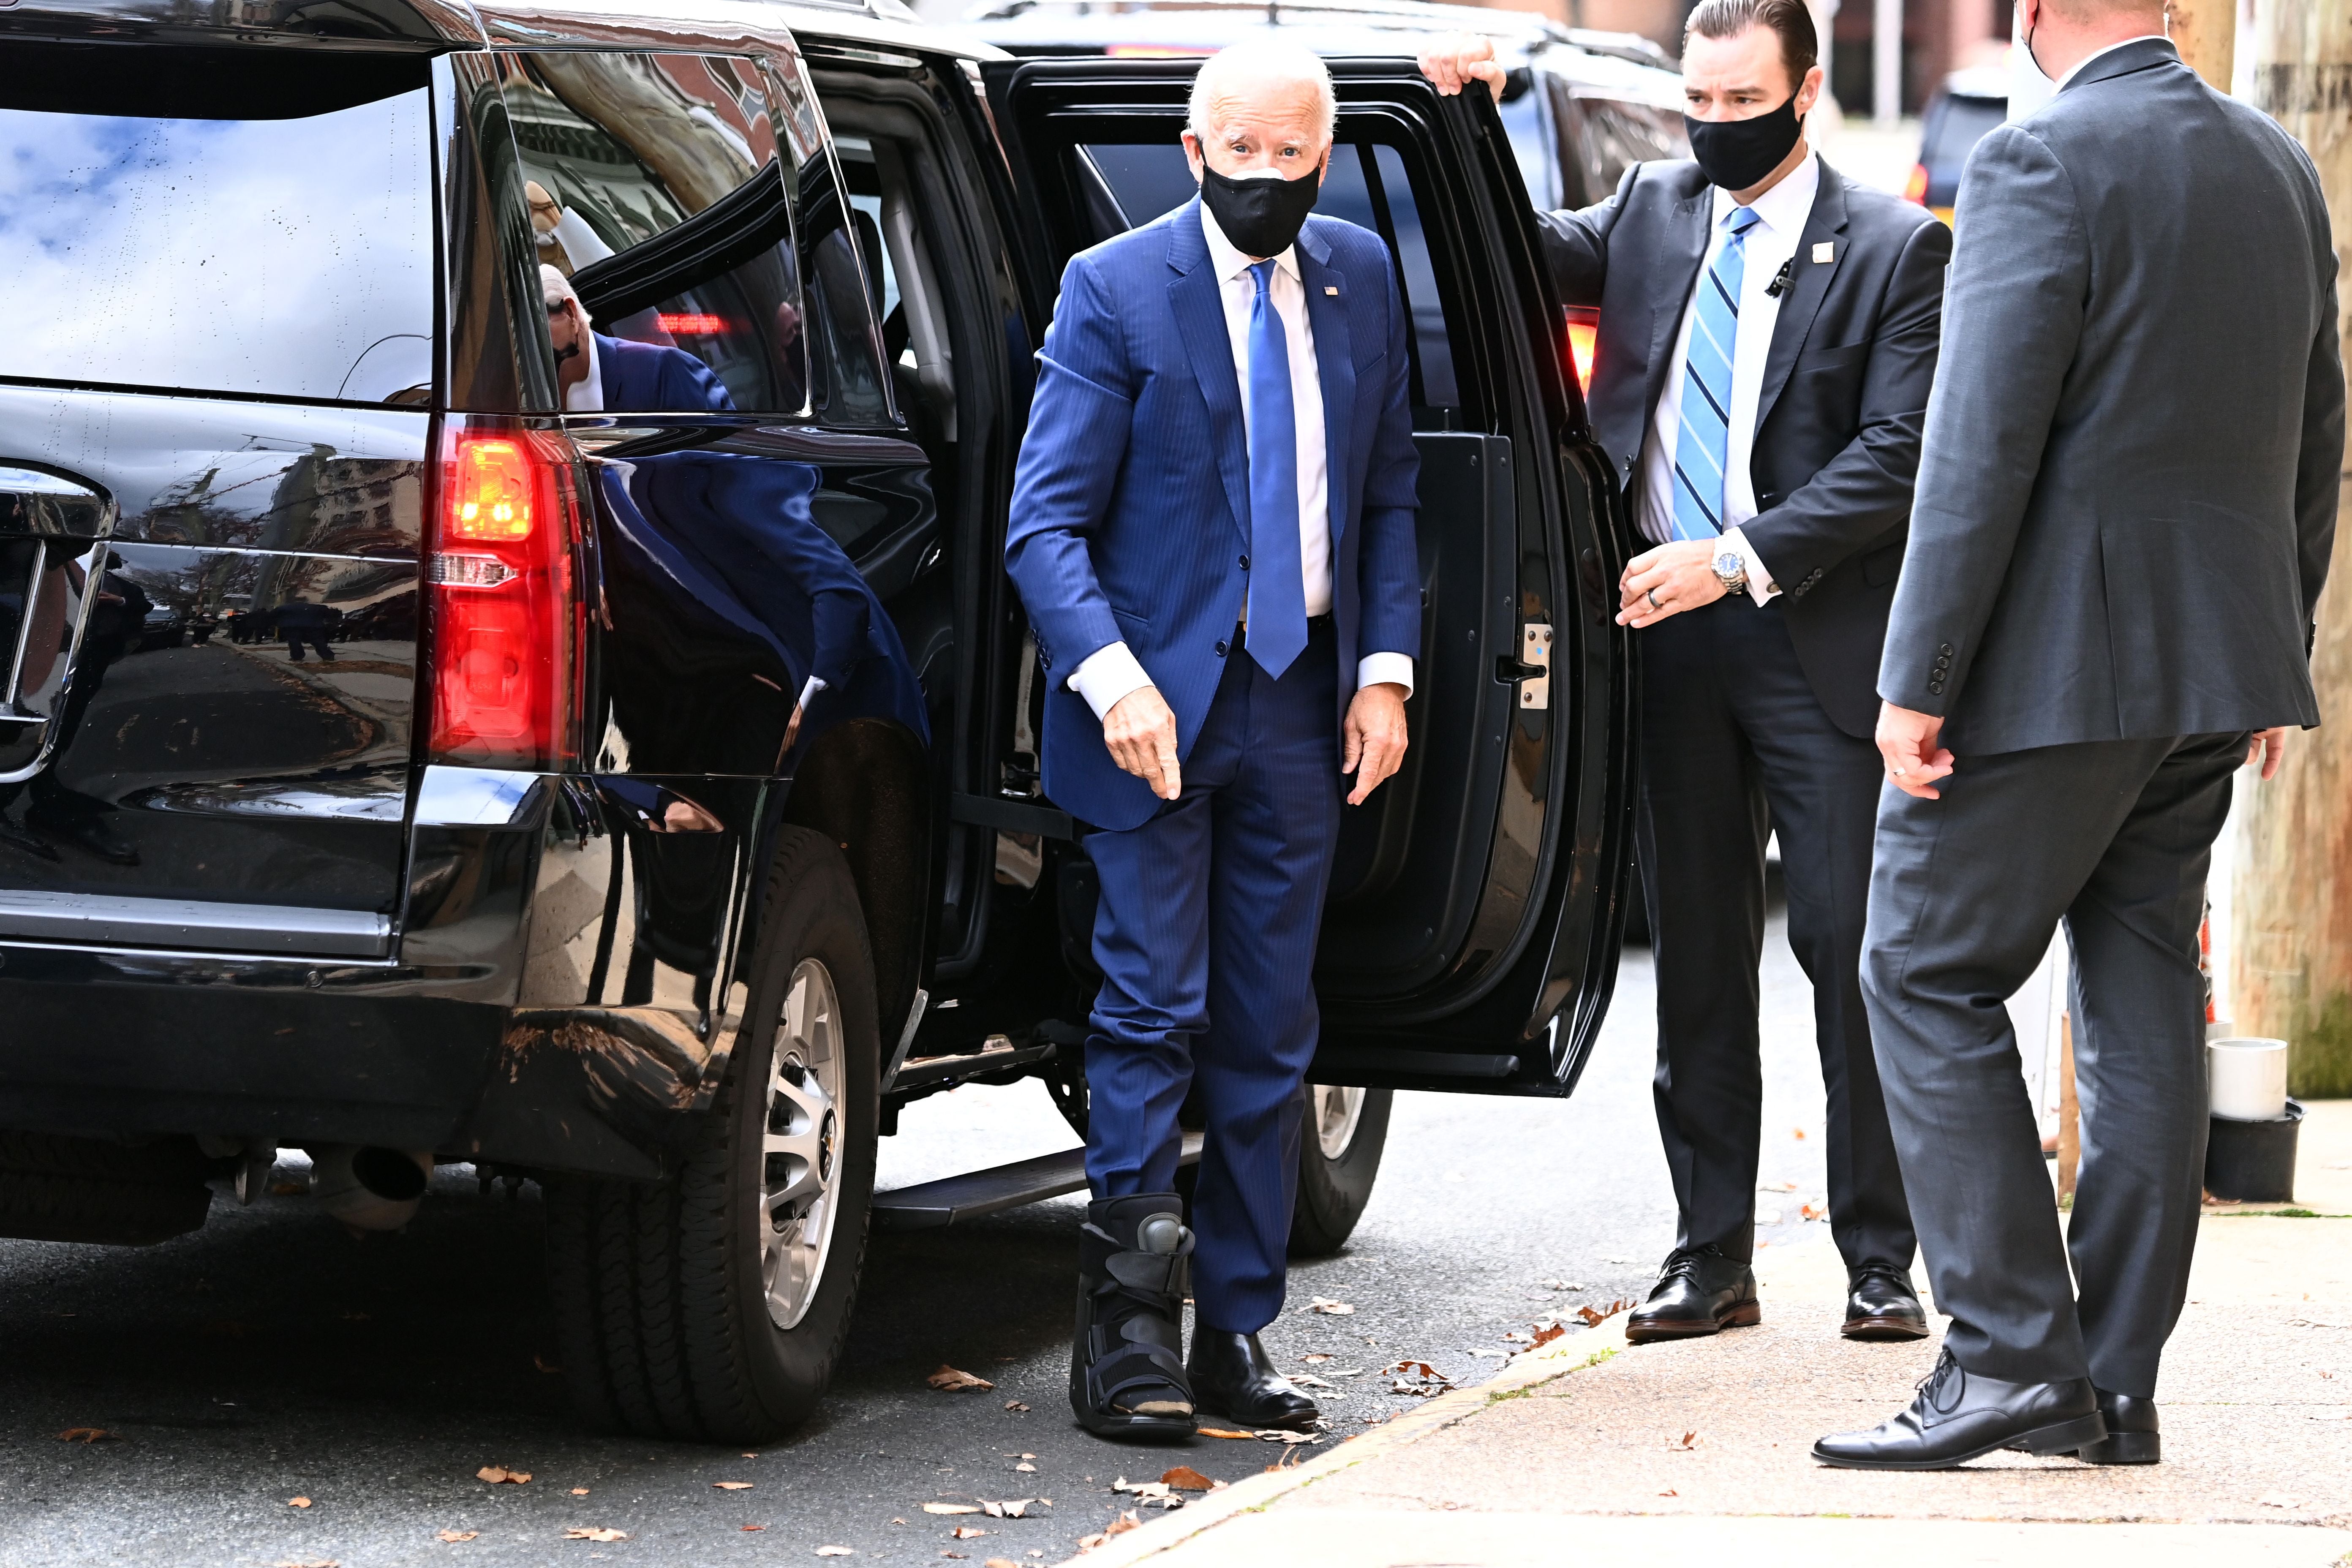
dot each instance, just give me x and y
(1731, 571)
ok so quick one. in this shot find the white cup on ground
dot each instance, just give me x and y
(2247, 1078)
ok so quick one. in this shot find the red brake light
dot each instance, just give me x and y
(505, 667)
(1914, 189)
(691, 323)
(1583, 331)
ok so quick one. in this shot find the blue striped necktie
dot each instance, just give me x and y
(1706, 433)
(1278, 591)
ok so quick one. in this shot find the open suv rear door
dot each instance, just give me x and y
(1470, 942)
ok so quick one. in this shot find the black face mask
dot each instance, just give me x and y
(1261, 216)
(1735, 153)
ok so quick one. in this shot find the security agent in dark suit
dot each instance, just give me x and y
(1768, 338)
(2126, 502)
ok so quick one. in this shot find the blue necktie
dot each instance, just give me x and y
(1706, 433)
(1277, 596)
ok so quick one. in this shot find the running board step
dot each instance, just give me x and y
(933, 1205)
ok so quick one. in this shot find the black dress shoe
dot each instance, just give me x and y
(1126, 1366)
(1232, 1376)
(1881, 1305)
(1699, 1293)
(1958, 1416)
(25, 841)
(2131, 1432)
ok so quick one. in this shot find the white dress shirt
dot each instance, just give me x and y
(586, 396)
(1780, 215)
(1110, 673)
(2076, 69)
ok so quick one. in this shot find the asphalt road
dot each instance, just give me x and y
(270, 1356)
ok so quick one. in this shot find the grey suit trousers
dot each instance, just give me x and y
(2115, 837)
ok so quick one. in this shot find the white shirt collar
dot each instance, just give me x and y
(588, 397)
(1228, 261)
(1785, 208)
(2111, 49)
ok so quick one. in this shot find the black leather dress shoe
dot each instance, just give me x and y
(1881, 1305)
(2131, 1432)
(1958, 1416)
(1231, 1376)
(1697, 1293)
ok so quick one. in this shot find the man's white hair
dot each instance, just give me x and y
(1259, 61)
(554, 288)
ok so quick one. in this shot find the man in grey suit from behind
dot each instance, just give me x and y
(2125, 504)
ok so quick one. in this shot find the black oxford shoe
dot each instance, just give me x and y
(1231, 1376)
(2131, 1432)
(1881, 1305)
(1697, 1293)
(1958, 1416)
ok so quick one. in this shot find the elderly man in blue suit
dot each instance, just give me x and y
(1213, 530)
(597, 373)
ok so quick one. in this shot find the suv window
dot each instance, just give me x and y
(1368, 186)
(653, 183)
(224, 220)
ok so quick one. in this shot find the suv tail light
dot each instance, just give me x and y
(1583, 330)
(506, 614)
(1914, 189)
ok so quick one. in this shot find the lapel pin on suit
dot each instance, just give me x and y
(1330, 288)
(1825, 251)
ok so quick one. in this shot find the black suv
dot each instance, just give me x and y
(621, 767)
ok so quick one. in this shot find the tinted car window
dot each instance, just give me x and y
(1611, 135)
(210, 220)
(653, 183)
(1367, 185)
(1953, 134)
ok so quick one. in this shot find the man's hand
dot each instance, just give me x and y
(1376, 738)
(2268, 747)
(1907, 741)
(1666, 581)
(1141, 734)
(1457, 59)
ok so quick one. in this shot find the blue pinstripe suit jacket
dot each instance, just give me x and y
(1131, 504)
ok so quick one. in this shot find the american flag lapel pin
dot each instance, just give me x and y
(1332, 288)
(1826, 250)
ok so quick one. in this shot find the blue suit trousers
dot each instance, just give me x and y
(1205, 935)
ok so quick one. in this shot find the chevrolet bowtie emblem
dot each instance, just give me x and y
(1825, 251)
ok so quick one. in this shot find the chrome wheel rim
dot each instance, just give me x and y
(1338, 1108)
(800, 1145)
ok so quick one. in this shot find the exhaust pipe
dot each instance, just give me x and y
(369, 1188)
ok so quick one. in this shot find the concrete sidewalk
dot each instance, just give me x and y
(1588, 1451)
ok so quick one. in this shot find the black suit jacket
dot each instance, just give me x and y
(1843, 407)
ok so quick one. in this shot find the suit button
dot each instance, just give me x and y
(1221, 650)
(1244, 562)
(1934, 688)
(1946, 649)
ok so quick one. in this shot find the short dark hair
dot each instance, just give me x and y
(1800, 46)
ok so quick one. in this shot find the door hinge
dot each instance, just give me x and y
(1532, 669)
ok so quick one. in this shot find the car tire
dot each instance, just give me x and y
(683, 1310)
(1338, 1159)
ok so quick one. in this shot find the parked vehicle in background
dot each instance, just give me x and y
(1970, 103)
(670, 817)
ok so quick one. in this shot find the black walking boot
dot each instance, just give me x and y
(1958, 1416)
(1126, 1359)
(1232, 1376)
(2132, 1438)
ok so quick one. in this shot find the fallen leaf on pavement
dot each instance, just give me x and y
(2279, 1499)
(1153, 1491)
(959, 1556)
(1516, 1338)
(1683, 1444)
(1315, 1358)
(455, 1536)
(1000, 1562)
(1014, 1508)
(1670, 1492)
(606, 1536)
(1184, 1478)
(87, 1434)
(1014, 1404)
(1329, 1308)
(297, 1502)
(1559, 1284)
(1483, 1351)
(1592, 1319)
(1308, 1380)
(1276, 1434)
(948, 1380)
(578, 1492)
(1025, 1465)
(1545, 1336)
(1225, 1432)
(733, 1486)
(950, 1508)
(1375, 1419)
(835, 1551)
(1813, 1210)
(754, 1529)
(968, 1532)
(497, 1474)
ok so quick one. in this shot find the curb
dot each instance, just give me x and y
(1571, 1353)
